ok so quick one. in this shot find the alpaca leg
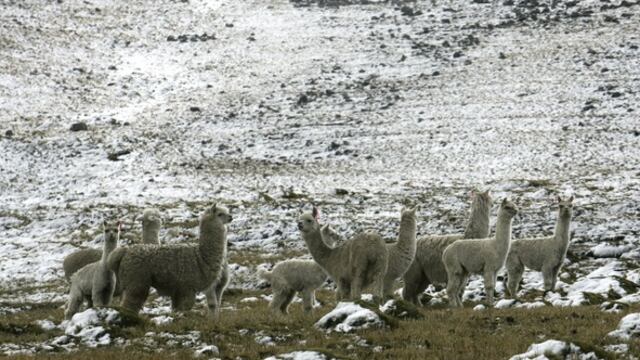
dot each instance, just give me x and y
(75, 301)
(212, 300)
(307, 300)
(463, 284)
(453, 289)
(89, 301)
(278, 298)
(219, 291)
(415, 282)
(388, 286)
(554, 277)
(344, 290)
(133, 299)
(549, 277)
(489, 286)
(183, 301)
(284, 308)
(356, 287)
(514, 276)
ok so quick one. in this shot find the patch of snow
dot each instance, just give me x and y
(504, 303)
(161, 320)
(348, 317)
(299, 355)
(554, 348)
(628, 327)
(206, 350)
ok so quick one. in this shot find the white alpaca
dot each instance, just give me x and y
(402, 252)
(354, 265)
(95, 282)
(479, 256)
(303, 276)
(427, 267)
(178, 271)
(541, 254)
(291, 276)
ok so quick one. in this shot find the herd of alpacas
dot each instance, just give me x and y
(363, 263)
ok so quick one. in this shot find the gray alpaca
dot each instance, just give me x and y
(178, 271)
(403, 252)
(479, 256)
(541, 254)
(151, 223)
(354, 265)
(428, 268)
(94, 282)
(215, 291)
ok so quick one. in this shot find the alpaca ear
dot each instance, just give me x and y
(104, 223)
(315, 213)
(559, 199)
(215, 206)
(504, 201)
(472, 194)
(571, 198)
(119, 225)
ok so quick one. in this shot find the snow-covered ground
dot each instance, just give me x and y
(271, 106)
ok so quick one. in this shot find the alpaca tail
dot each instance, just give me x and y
(113, 262)
(265, 275)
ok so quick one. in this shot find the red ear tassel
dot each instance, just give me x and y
(316, 213)
(119, 225)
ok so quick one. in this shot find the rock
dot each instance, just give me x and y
(502, 56)
(115, 156)
(194, 109)
(342, 192)
(79, 126)
(8, 133)
(333, 146)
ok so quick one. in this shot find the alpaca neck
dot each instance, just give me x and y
(319, 250)
(212, 242)
(503, 233)
(407, 235)
(478, 225)
(150, 234)
(561, 234)
(108, 247)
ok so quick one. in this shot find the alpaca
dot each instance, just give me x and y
(178, 271)
(402, 252)
(151, 224)
(427, 267)
(358, 263)
(303, 276)
(291, 276)
(73, 262)
(94, 282)
(486, 256)
(541, 254)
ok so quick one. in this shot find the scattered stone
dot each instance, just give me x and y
(79, 126)
(341, 192)
(8, 133)
(115, 156)
(194, 109)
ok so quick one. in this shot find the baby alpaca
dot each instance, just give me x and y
(304, 276)
(541, 254)
(151, 223)
(427, 267)
(403, 252)
(94, 282)
(178, 271)
(291, 276)
(354, 265)
(479, 256)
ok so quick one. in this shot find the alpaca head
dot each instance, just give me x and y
(566, 207)
(216, 213)
(308, 222)
(408, 212)
(151, 217)
(111, 231)
(481, 198)
(509, 208)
